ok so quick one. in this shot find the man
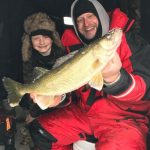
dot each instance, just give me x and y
(88, 22)
(121, 108)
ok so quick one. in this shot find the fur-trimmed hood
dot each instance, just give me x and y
(35, 22)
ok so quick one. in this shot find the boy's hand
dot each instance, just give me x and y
(44, 101)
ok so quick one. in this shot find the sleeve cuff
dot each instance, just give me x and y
(121, 85)
(65, 101)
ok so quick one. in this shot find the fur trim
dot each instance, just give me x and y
(26, 48)
(32, 23)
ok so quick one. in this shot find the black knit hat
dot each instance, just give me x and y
(42, 32)
(83, 6)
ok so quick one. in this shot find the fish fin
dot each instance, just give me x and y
(11, 86)
(39, 72)
(97, 82)
(97, 64)
(63, 59)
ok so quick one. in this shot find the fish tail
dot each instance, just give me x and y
(12, 87)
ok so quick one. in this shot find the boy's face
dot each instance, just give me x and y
(87, 25)
(41, 43)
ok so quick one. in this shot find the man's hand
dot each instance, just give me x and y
(44, 101)
(112, 70)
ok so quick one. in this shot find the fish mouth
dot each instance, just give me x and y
(111, 32)
(114, 30)
(112, 39)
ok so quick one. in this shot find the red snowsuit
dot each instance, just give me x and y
(110, 117)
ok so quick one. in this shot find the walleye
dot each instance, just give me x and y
(83, 68)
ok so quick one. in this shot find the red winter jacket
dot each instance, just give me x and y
(130, 101)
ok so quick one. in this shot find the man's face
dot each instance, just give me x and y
(87, 25)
